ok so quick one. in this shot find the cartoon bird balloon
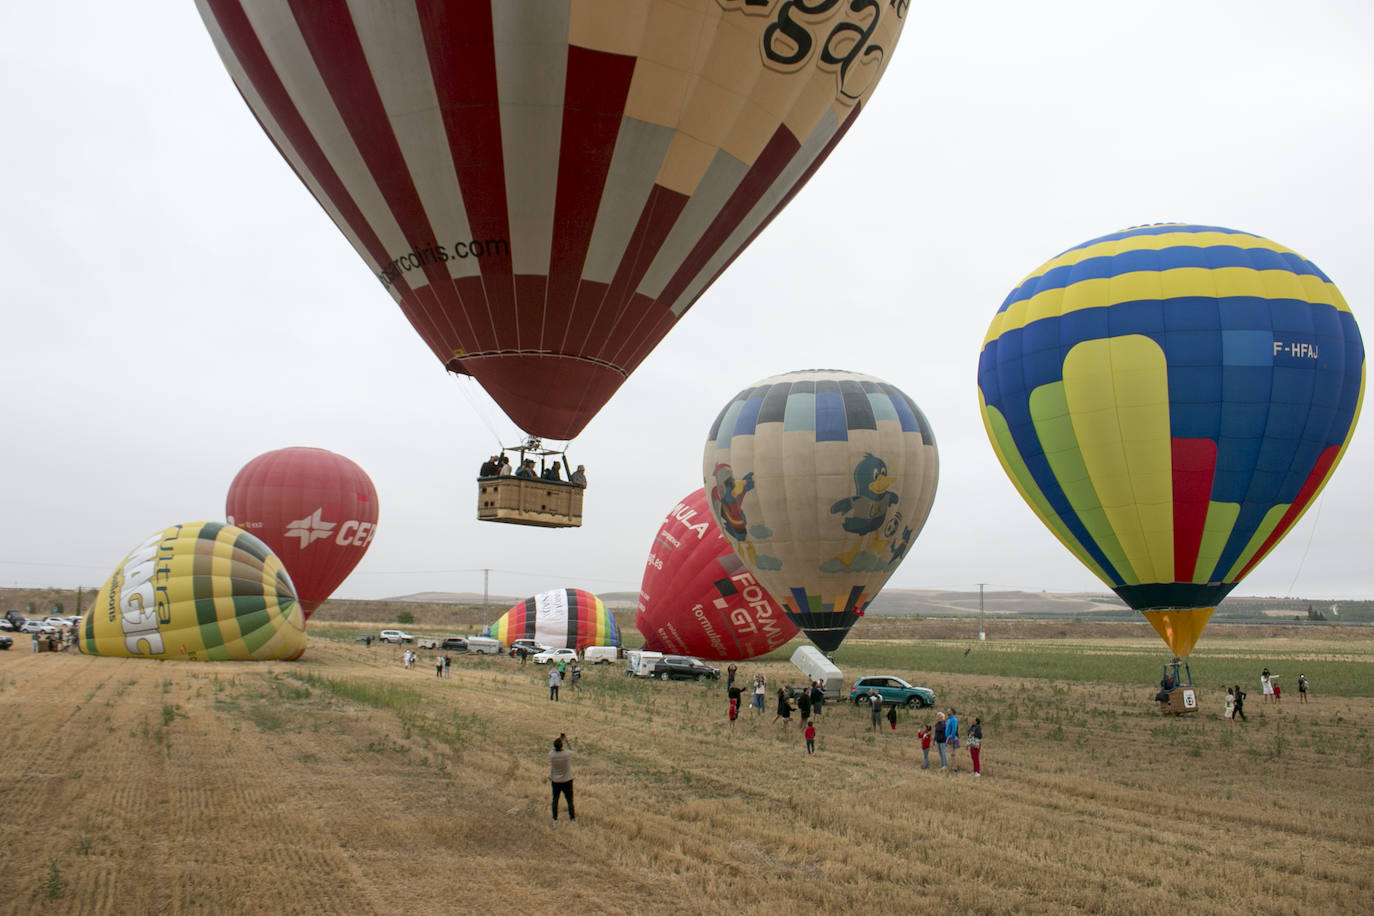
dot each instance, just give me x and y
(544, 187)
(201, 591)
(820, 480)
(1169, 400)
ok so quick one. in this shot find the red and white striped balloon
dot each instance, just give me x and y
(546, 186)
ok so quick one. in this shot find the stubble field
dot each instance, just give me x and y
(345, 784)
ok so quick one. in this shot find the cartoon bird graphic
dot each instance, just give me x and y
(866, 510)
(727, 498)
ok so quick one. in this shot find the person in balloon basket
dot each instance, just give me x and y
(578, 478)
(551, 473)
(560, 774)
(924, 735)
(939, 738)
(810, 734)
(527, 470)
(554, 680)
(491, 467)
(503, 469)
(975, 745)
(952, 739)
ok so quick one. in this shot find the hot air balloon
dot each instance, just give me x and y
(544, 187)
(1169, 399)
(315, 509)
(820, 481)
(204, 591)
(565, 618)
(697, 598)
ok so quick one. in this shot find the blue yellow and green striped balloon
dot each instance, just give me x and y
(203, 590)
(1169, 400)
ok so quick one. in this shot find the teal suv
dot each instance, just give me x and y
(893, 690)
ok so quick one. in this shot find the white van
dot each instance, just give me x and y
(817, 667)
(484, 645)
(641, 663)
(600, 655)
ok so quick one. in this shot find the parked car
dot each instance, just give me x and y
(396, 636)
(35, 626)
(7, 627)
(6, 641)
(60, 622)
(454, 644)
(529, 645)
(554, 656)
(893, 690)
(683, 667)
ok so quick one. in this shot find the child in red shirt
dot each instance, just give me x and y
(924, 735)
(810, 737)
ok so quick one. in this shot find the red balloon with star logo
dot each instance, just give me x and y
(317, 511)
(697, 597)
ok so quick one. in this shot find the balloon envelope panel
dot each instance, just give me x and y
(204, 591)
(820, 481)
(544, 187)
(565, 618)
(317, 510)
(697, 597)
(1169, 399)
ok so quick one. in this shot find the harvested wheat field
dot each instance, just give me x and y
(345, 784)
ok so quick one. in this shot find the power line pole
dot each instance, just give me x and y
(486, 574)
(982, 634)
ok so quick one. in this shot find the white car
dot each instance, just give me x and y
(60, 622)
(396, 636)
(555, 656)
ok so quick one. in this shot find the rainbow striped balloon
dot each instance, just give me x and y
(565, 618)
(1169, 400)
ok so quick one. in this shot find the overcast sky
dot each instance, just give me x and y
(176, 303)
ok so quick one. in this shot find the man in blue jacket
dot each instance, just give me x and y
(952, 739)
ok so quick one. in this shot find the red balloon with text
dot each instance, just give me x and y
(315, 509)
(697, 597)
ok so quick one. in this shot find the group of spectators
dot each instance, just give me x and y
(499, 466)
(944, 734)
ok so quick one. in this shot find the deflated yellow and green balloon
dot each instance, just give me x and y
(205, 591)
(1169, 400)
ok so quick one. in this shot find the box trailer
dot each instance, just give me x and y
(817, 667)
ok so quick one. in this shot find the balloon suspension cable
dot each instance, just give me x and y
(1316, 519)
(467, 394)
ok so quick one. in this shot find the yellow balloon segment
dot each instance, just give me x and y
(1180, 627)
(201, 591)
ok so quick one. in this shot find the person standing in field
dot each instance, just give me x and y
(554, 680)
(760, 691)
(924, 735)
(1240, 703)
(975, 745)
(448, 663)
(1230, 705)
(730, 676)
(952, 739)
(804, 704)
(734, 706)
(810, 734)
(1267, 685)
(1278, 694)
(560, 773)
(817, 699)
(784, 708)
(875, 710)
(438, 666)
(892, 716)
(575, 677)
(1302, 688)
(939, 737)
